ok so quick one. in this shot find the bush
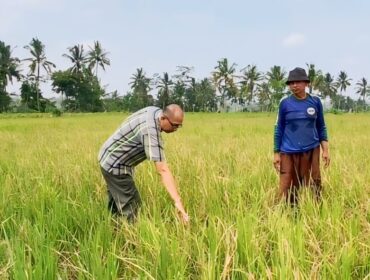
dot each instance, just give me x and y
(56, 112)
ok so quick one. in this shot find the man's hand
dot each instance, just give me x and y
(325, 153)
(277, 162)
(170, 185)
(326, 158)
(183, 215)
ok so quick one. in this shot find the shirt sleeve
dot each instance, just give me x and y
(320, 122)
(153, 144)
(279, 128)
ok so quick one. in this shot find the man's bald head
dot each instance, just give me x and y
(174, 112)
(172, 118)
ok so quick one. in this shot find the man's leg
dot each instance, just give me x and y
(124, 198)
(315, 173)
(310, 170)
(111, 204)
(298, 178)
(288, 179)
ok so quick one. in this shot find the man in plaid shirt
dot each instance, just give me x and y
(137, 139)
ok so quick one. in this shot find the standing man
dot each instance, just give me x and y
(299, 131)
(137, 139)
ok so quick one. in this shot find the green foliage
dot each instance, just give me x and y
(136, 100)
(201, 97)
(56, 112)
(178, 93)
(81, 90)
(113, 104)
(315, 77)
(4, 101)
(327, 87)
(343, 81)
(250, 80)
(8, 70)
(8, 66)
(139, 97)
(335, 111)
(276, 82)
(363, 89)
(223, 77)
(96, 58)
(38, 61)
(77, 57)
(29, 97)
(165, 91)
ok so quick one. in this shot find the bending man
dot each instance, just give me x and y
(137, 139)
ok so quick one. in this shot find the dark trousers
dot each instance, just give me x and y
(299, 169)
(123, 197)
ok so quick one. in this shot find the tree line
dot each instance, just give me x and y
(80, 88)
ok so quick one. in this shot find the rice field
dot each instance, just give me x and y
(55, 223)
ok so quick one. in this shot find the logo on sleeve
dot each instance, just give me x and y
(311, 111)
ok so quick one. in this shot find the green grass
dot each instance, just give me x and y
(55, 225)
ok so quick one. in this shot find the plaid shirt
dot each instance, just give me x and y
(137, 139)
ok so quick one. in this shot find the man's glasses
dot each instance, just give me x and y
(174, 125)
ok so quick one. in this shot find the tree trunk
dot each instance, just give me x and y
(37, 87)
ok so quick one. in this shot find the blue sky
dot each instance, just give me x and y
(160, 35)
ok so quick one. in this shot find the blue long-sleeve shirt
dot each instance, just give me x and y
(300, 125)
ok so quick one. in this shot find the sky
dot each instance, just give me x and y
(163, 34)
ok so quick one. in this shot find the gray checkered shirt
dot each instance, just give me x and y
(138, 138)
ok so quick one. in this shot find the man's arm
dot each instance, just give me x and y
(170, 185)
(278, 134)
(323, 134)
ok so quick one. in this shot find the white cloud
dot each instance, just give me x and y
(294, 40)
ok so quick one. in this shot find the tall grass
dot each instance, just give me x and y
(55, 223)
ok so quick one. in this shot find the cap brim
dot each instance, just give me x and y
(287, 82)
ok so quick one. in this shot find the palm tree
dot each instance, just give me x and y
(205, 95)
(140, 85)
(38, 61)
(182, 79)
(8, 66)
(77, 57)
(8, 70)
(327, 87)
(264, 94)
(276, 80)
(140, 81)
(342, 83)
(362, 88)
(223, 78)
(190, 95)
(164, 85)
(178, 94)
(97, 57)
(250, 78)
(315, 77)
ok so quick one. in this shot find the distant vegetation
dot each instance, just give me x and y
(80, 88)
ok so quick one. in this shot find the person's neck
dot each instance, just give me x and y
(302, 95)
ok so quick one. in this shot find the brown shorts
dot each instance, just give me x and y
(299, 169)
